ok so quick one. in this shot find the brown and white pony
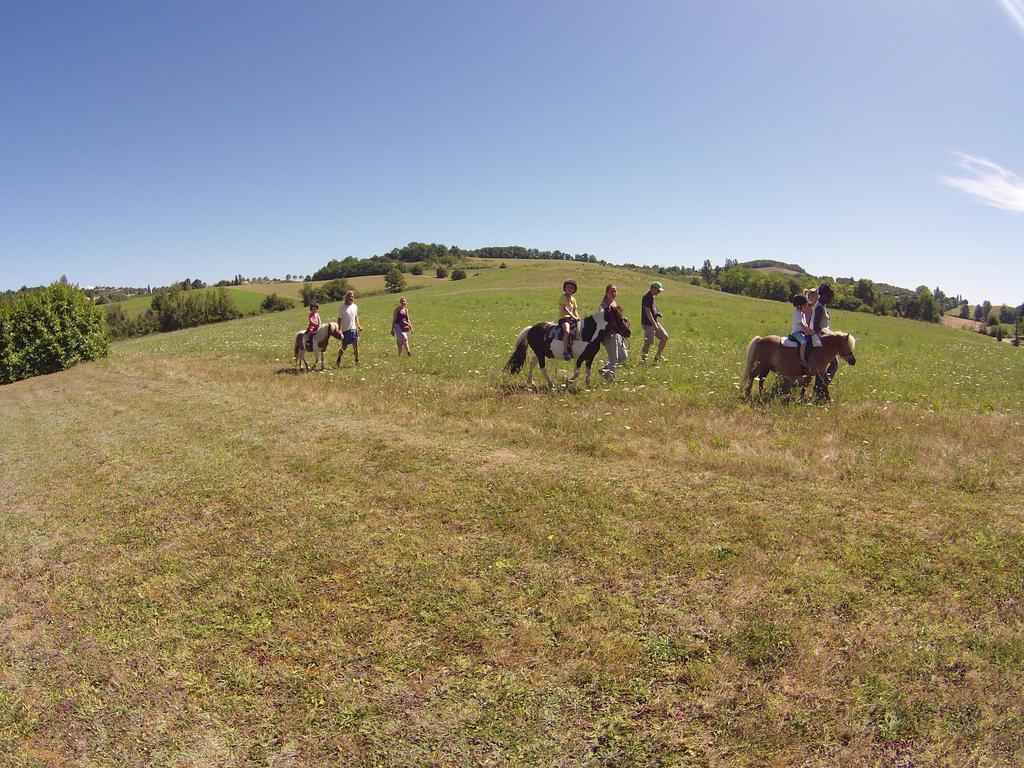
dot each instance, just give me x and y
(320, 339)
(592, 332)
(766, 354)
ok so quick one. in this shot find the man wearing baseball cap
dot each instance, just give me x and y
(650, 319)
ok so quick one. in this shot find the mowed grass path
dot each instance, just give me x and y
(208, 560)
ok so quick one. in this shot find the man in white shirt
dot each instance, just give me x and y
(348, 319)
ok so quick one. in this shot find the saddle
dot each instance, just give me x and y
(556, 331)
(307, 341)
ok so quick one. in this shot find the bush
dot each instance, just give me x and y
(45, 330)
(503, 265)
(441, 272)
(416, 270)
(122, 327)
(332, 291)
(458, 274)
(308, 294)
(176, 308)
(275, 303)
(394, 281)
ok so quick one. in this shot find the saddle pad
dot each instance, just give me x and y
(787, 342)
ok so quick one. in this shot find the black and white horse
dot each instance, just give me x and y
(583, 346)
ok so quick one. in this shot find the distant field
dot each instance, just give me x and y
(421, 562)
(363, 284)
(248, 301)
(962, 323)
(784, 271)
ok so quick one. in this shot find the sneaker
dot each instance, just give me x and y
(567, 355)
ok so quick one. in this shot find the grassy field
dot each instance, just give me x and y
(206, 559)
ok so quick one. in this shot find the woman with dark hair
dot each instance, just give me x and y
(613, 343)
(820, 324)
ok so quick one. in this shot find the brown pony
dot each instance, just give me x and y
(766, 354)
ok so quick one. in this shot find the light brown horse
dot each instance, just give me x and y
(766, 354)
(320, 339)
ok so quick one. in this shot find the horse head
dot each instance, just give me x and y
(846, 348)
(617, 322)
(335, 330)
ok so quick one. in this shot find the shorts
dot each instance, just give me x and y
(654, 331)
(798, 337)
(400, 336)
(349, 337)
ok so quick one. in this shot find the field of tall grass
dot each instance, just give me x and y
(208, 559)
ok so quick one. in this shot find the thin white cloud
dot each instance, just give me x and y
(1016, 10)
(988, 182)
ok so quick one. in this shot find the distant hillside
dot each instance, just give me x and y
(774, 266)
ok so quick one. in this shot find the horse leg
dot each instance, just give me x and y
(529, 375)
(544, 370)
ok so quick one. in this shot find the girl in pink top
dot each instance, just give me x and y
(314, 323)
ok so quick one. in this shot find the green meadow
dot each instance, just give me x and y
(208, 559)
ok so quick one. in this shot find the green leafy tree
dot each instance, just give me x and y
(865, 291)
(928, 307)
(394, 280)
(275, 303)
(44, 330)
(334, 290)
(706, 271)
(308, 294)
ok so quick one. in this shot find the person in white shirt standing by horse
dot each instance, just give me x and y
(348, 319)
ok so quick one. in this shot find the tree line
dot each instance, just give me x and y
(434, 256)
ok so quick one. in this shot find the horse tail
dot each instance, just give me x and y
(298, 345)
(748, 366)
(515, 363)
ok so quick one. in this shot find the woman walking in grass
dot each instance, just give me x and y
(613, 343)
(401, 327)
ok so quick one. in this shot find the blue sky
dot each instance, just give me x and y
(146, 142)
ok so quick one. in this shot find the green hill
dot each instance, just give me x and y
(422, 562)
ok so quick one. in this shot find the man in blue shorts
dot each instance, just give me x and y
(348, 319)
